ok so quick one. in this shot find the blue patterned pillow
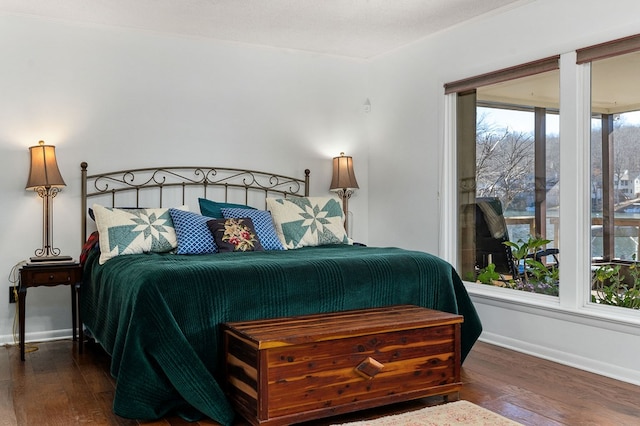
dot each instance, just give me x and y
(262, 223)
(192, 232)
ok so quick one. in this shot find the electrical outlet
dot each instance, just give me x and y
(13, 292)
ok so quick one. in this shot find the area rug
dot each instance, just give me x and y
(453, 413)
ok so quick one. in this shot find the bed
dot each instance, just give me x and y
(158, 314)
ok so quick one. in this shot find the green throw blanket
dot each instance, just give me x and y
(158, 315)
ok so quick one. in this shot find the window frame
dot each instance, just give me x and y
(464, 89)
(573, 303)
(585, 57)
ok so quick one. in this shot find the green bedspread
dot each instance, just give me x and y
(158, 315)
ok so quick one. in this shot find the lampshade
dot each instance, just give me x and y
(343, 175)
(44, 171)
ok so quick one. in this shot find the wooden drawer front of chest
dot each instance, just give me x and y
(321, 377)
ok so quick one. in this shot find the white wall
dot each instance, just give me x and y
(410, 160)
(118, 99)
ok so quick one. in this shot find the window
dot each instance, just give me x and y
(508, 176)
(615, 153)
(506, 166)
(507, 154)
(615, 172)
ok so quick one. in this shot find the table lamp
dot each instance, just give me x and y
(344, 181)
(46, 180)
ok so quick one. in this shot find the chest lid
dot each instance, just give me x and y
(276, 332)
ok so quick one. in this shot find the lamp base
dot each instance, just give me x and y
(37, 259)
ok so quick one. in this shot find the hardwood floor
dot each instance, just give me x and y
(57, 386)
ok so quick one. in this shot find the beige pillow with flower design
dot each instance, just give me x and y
(133, 231)
(308, 221)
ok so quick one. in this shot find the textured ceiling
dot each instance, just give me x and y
(353, 28)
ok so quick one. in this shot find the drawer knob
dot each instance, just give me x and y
(51, 277)
(369, 368)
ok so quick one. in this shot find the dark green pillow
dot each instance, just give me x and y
(213, 209)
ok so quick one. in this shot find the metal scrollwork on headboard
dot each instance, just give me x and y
(178, 179)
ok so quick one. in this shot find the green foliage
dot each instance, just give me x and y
(488, 275)
(536, 276)
(612, 287)
(522, 249)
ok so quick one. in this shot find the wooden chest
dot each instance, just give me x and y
(288, 370)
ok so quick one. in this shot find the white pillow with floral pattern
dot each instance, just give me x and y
(133, 231)
(308, 221)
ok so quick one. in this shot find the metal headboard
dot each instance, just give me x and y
(183, 184)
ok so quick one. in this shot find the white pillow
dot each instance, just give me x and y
(308, 221)
(132, 231)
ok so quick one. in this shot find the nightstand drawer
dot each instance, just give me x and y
(53, 277)
(33, 276)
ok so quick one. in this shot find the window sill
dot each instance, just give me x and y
(606, 317)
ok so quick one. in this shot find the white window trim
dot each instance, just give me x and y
(607, 317)
(448, 242)
(575, 180)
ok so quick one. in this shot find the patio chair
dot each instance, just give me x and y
(491, 234)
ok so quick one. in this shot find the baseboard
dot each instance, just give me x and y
(565, 358)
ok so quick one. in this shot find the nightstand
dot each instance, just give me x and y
(51, 274)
